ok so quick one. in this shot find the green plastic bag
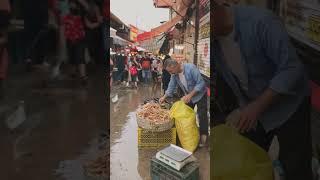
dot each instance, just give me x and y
(234, 157)
(185, 121)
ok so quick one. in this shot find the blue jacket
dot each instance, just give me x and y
(194, 82)
(270, 61)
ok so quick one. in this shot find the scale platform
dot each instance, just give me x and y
(175, 156)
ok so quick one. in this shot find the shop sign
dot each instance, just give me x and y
(133, 33)
(204, 29)
(204, 56)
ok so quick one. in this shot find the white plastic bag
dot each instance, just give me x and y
(17, 117)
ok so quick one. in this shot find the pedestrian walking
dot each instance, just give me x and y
(139, 59)
(126, 74)
(133, 69)
(255, 59)
(35, 13)
(154, 70)
(4, 59)
(93, 20)
(165, 76)
(75, 36)
(146, 69)
(188, 78)
(121, 67)
(4, 56)
(111, 72)
(159, 73)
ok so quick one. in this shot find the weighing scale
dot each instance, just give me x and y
(175, 156)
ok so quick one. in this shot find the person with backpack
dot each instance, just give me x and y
(146, 69)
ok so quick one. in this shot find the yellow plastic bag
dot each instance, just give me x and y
(185, 121)
(234, 157)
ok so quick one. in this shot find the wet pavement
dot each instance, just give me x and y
(126, 160)
(63, 129)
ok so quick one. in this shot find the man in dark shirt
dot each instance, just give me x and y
(120, 65)
(35, 13)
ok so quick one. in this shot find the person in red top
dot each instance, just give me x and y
(75, 36)
(146, 69)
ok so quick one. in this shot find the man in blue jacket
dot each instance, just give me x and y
(253, 55)
(188, 78)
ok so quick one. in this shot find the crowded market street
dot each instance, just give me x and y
(151, 43)
(127, 161)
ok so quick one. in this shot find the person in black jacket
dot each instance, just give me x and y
(35, 13)
(165, 76)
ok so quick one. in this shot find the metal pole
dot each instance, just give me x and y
(196, 37)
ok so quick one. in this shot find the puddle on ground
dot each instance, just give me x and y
(124, 153)
(74, 169)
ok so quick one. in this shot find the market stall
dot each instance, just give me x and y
(302, 20)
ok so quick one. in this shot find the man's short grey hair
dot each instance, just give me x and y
(170, 62)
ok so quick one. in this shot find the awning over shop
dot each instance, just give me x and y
(166, 26)
(114, 18)
(112, 32)
(144, 36)
(118, 40)
(181, 7)
(163, 3)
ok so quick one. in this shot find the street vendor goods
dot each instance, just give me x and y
(153, 117)
(236, 157)
(185, 121)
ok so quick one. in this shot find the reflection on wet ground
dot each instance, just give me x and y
(63, 127)
(126, 160)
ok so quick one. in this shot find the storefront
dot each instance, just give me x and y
(203, 46)
(302, 20)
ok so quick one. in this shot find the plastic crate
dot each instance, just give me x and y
(153, 140)
(161, 171)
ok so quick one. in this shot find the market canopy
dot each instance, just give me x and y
(163, 3)
(167, 26)
(120, 41)
(180, 7)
